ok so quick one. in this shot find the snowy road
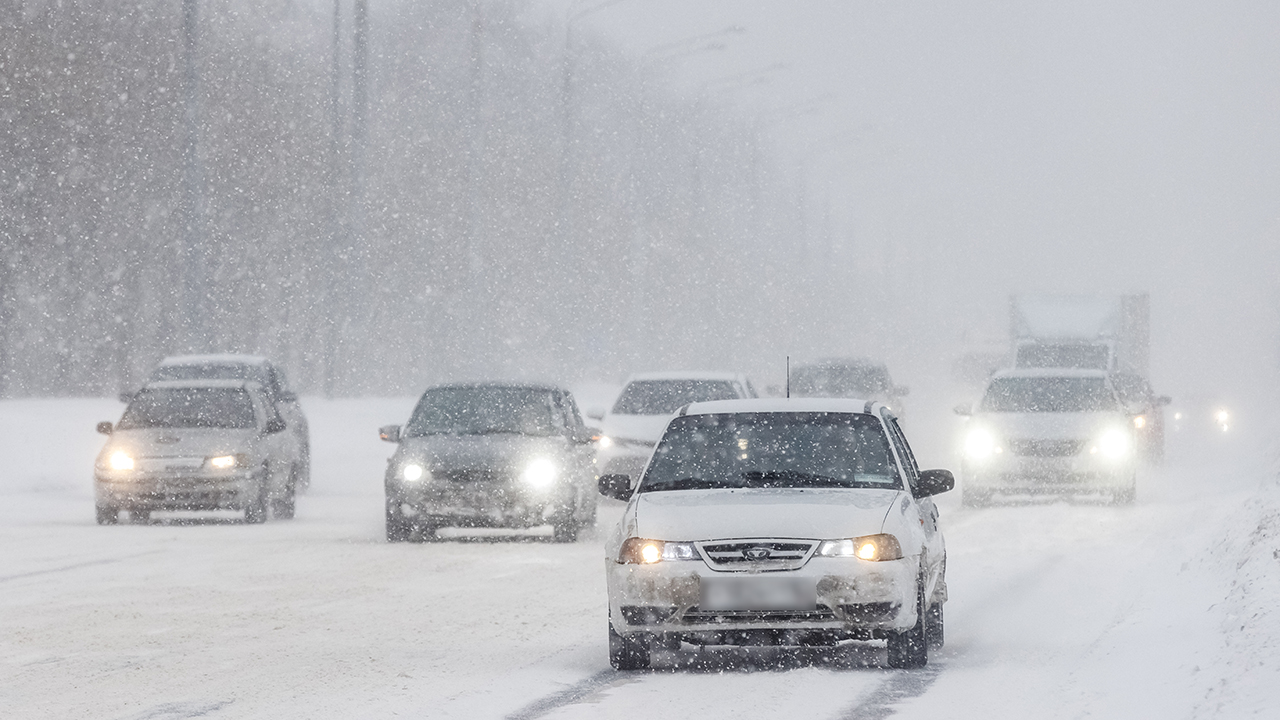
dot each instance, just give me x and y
(1058, 610)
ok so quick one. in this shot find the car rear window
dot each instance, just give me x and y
(772, 450)
(664, 397)
(1048, 394)
(189, 408)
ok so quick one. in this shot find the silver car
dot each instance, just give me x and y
(491, 455)
(197, 445)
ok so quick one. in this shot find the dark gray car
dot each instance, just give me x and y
(498, 455)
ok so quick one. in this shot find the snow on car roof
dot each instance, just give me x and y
(1049, 372)
(223, 359)
(166, 384)
(685, 375)
(768, 405)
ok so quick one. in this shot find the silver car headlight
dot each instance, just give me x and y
(226, 462)
(539, 473)
(414, 472)
(120, 460)
(981, 444)
(1114, 444)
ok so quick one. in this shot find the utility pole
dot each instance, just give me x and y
(192, 257)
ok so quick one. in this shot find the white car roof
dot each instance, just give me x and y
(686, 375)
(1049, 372)
(168, 384)
(223, 359)
(782, 405)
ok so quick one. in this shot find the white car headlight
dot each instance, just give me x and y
(980, 444)
(412, 472)
(539, 473)
(642, 551)
(867, 547)
(604, 442)
(225, 462)
(120, 460)
(1114, 443)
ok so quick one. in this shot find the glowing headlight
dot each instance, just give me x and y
(1140, 422)
(980, 444)
(640, 551)
(222, 462)
(868, 547)
(120, 460)
(539, 473)
(412, 472)
(1223, 416)
(1114, 443)
(604, 442)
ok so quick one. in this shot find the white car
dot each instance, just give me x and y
(778, 522)
(648, 400)
(197, 445)
(1049, 431)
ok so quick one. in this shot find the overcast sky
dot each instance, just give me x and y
(974, 149)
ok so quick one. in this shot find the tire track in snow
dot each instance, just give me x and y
(575, 693)
(90, 563)
(901, 685)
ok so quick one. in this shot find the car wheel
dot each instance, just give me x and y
(107, 515)
(398, 527)
(565, 530)
(589, 517)
(284, 508)
(910, 648)
(304, 475)
(628, 652)
(255, 513)
(975, 498)
(934, 635)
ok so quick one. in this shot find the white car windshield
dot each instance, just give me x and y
(189, 408)
(772, 450)
(664, 397)
(486, 410)
(1049, 394)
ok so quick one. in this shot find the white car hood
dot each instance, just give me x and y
(775, 513)
(636, 427)
(1051, 425)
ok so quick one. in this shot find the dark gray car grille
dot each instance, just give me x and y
(739, 555)
(1046, 448)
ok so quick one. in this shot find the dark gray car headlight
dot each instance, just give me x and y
(540, 473)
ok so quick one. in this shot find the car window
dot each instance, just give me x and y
(1048, 394)
(189, 408)
(772, 450)
(664, 397)
(912, 470)
(486, 410)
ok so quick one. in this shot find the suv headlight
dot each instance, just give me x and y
(120, 460)
(868, 547)
(539, 473)
(1114, 444)
(981, 444)
(413, 472)
(642, 551)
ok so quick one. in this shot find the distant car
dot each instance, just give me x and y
(491, 455)
(246, 367)
(778, 522)
(1049, 431)
(1147, 410)
(197, 445)
(631, 428)
(848, 378)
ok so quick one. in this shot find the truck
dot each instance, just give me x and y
(1087, 332)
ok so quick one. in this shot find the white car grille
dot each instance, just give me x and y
(757, 555)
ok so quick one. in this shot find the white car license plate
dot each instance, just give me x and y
(759, 592)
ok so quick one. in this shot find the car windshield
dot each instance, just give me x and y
(189, 408)
(485, 411)
(664, 397)
(1078, 356)
(211, 371)
(1048, 394)
(772, 450)
(838, 380)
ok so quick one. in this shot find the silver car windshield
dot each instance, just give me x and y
(664, 397)
(485, 411)
(1049, 394)
(772, 450)
(189, 408)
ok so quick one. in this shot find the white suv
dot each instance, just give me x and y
(648, 400)
(1049, 431)
(778, 522)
